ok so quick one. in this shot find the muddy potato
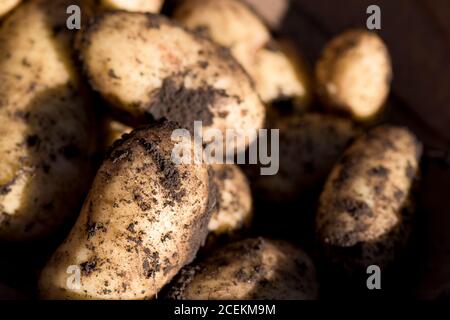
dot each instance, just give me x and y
(156, 68)
(234, 201)
(46, 134)
(7, 5)
(258, 269)
(364, 214)
(276, 69)
(144, 218)
(354, 73)
(133, 5)
(309, 145)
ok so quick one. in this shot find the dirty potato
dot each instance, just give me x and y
(159, 70)
(276, 69)
(354, 73)
(364, 213)
(144, 218)
(46, 134)
(309, 145)
(234, 201)
(252, 269)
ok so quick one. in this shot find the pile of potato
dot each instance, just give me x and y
(147, 227)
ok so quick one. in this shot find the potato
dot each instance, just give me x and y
(280, 74)
(234, 201)
(277, 70)
(46, 137)
(113, 131)
(364, 214)
(309, 145)
(144, 219)
(158, 69)
(354, 73)
(7, 5)
(133, 5)
(253, 269)
(228, 22)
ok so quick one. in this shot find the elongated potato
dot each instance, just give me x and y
(143, 220)
(258, 269)
(364, 214)
(234, 201)
(159, 69)
(354, 73)
(309, 145)
(46, 134)
(276, 69)
(133, 5)
(7, 5)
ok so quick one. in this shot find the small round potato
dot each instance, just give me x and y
(144, 218)
(364, 213)
(277, 70)
(145, 65)
(133, 5)
(7, 5)
(354, 73)
(47, 129)
(309, 145)
(252, 269)
(234, 201)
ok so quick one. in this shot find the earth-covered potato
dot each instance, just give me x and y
(144, 218)
(149, 67)
(46, 137)
(365, 210)
(7, 5)
(252, 269)
(354, 73)
(234, 201)
(277, 69)
(309, 146)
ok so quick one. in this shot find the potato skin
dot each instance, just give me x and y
(234, 201)
(354, 73)
(143, 220)
(153, 6)
(7, 5)
(46, 138)
(156, 68)
(310, 144)
(276, 68)
(364, 212)
(252, 269)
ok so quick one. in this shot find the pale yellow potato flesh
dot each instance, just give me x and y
(144, 218)
(46, 137)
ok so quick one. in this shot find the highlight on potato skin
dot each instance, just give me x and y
(250, 269)
(365, 210)
(277, 69)
(142, 221)
(354, 73)
(158, 69)
(153, 6)
(7, 5)
(47, 136)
